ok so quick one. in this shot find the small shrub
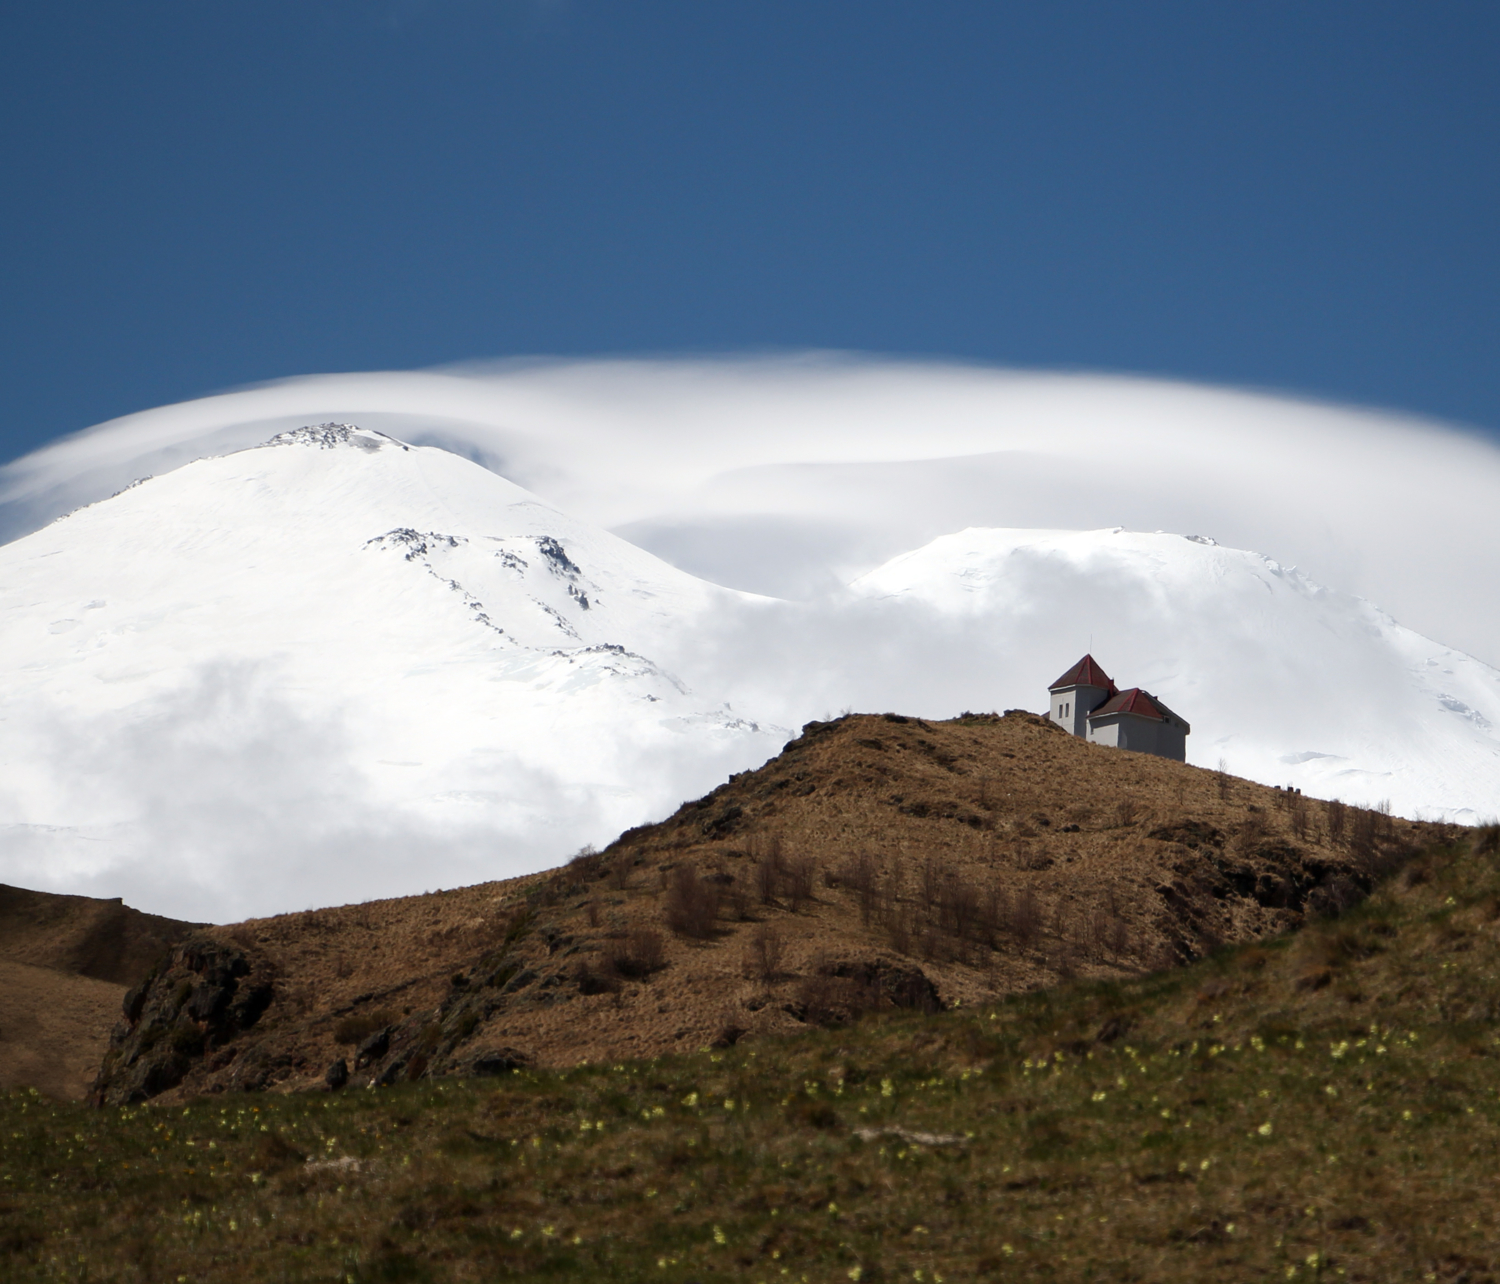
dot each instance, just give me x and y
(763, 958)
(994, 913)
(963, 909)
(1298, 809)
(692, 905)
(585, 866)
(603, 981)
(359, 1026)
(899, 929)
(637, 956)
(862, 878)
(799, 879)
(770, 866)
(1337, 814)
(1026, 918)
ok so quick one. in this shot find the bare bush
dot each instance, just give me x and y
(862, 878)
(1362, 835)
(799, 878)
(1063, 959)
(585, 866)
(1026, 918)
(593, 913)
(1298, 810)
(898, 927)
(1126, 811)
(770, 866)
(994, 913)
(637, 955)
(619, 873)
(1337, 817)
(764, 957)
(932, 878)
(735, 904)
(692, 905)
(963, 909)
(1117, 935)
(1252, 829)
(593, 980)
(933, 946)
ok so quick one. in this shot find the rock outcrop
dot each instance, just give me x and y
(195, 1006)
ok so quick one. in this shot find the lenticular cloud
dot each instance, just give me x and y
(789, 476)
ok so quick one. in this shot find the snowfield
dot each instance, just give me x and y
(338, 666)
(335, 667)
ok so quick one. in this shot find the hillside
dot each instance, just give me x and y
(65, 964)
(1319, 1105)
(879, 861)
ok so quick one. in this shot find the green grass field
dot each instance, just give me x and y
(1322, 1106)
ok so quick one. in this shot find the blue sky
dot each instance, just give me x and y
(1291, 196)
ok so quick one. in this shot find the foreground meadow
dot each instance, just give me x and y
(1324, 1105)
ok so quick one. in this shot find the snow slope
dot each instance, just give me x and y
(1282, 679)
(337, 666)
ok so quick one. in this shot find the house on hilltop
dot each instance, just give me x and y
(1085, 702)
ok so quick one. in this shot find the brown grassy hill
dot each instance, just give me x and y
(105, 940)
(65, 964)
(879, 861)
(1321, 1106)
(54, 1028)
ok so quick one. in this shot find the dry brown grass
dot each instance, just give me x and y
(65, 963)
(1213, 1122)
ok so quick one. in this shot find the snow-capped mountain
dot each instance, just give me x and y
(1283, 680)
(336, 666)
(333, 666)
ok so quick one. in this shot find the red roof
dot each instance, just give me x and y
(1086, 673)
(1133, 701)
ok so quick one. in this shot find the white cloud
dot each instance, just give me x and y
(786, 475)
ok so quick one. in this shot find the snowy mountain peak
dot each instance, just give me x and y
(359, 665)
(331, 436)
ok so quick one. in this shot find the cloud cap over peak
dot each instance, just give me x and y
(792, 473)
